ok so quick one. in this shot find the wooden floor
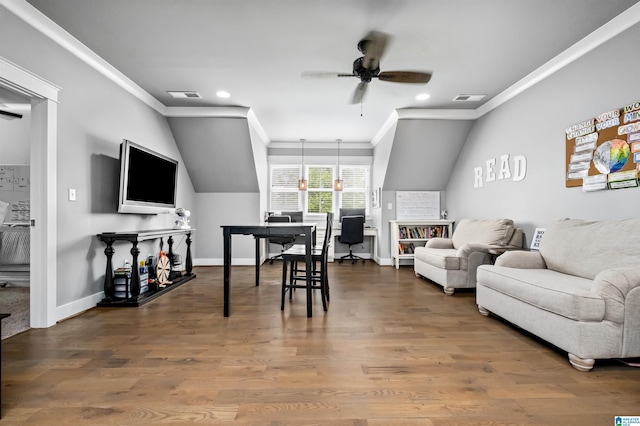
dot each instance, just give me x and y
(391, 350)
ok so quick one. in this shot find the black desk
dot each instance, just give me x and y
(266, 230)
(2, 316)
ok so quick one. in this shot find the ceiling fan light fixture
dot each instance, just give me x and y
(422, 97)
(8, 115)
(223, 94)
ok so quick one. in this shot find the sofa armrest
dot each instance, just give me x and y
(521, 259)
(613, 285)
(440, 243)
(469, 248)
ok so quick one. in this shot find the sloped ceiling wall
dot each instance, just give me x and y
(424, 153)
(217, 153)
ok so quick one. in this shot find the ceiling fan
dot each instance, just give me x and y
(367, 67)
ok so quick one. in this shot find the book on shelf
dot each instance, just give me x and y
(406, 248)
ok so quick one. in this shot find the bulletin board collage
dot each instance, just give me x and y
(604, 152)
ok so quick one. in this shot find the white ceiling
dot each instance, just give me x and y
(257, 50)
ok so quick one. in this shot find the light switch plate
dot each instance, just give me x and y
(72, 194)
(390, 206)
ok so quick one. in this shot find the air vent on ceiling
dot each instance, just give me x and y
(469, 98)
(185, 94)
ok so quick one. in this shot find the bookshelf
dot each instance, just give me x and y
(406, 235)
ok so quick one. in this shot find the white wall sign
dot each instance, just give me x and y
(515, 170)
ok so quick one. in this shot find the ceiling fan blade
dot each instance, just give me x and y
(359, 93)
(373, 47)
(322, 74)
(415, 77)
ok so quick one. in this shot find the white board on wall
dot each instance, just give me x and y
(417, 205)
(15, 187)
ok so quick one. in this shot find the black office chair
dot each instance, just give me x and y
(352, 233)
(283, 241)
(295, 256)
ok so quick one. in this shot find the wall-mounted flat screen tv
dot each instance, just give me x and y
(148, 180)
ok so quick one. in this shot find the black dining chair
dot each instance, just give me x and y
(283, 241)
(352, 233)
(295, 257)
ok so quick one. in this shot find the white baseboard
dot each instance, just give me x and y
(251, 261)
(78, 306)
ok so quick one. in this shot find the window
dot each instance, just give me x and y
(320, 190)
(355, 193)
(319, 198)
(284, 188)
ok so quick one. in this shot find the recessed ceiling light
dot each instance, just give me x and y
(469, 98)
(423, 97)
(184, 94)
(223, 94)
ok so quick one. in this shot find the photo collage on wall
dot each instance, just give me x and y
(604, 152)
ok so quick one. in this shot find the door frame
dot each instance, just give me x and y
(43, 176)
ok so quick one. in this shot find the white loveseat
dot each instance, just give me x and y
(580, 292)
(452, 262)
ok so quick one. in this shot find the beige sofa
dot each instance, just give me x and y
(452, 262)
(580, 292)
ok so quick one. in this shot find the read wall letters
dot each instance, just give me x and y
(514, 170)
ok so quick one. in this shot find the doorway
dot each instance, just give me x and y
(43, 97)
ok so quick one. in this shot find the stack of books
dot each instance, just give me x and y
(122, 281)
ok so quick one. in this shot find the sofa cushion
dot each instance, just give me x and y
(586, 248)
(483, 231)
(562, 294)
(441, 258)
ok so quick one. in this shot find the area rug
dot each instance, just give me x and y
(14, 301)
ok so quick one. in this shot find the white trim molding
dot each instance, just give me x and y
(40, 22)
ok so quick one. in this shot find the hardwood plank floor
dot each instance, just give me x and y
(391, 350)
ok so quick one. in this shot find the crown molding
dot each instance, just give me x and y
(40, 22)
(436, 114)
(46, 26)
(218, 112)
(606, 32)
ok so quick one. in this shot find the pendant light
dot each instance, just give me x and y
(302, 182)
(337, 185)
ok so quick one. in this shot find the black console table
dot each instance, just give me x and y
(134, 238)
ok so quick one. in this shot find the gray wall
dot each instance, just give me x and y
(94, 115)
(14, 140)
(424, 153)
(217, 152)
(225, 209)
(533, 124)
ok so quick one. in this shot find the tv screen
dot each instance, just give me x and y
(148, 180)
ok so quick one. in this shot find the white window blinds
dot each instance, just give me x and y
(284, 188)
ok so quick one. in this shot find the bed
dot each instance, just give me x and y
(14, 254)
